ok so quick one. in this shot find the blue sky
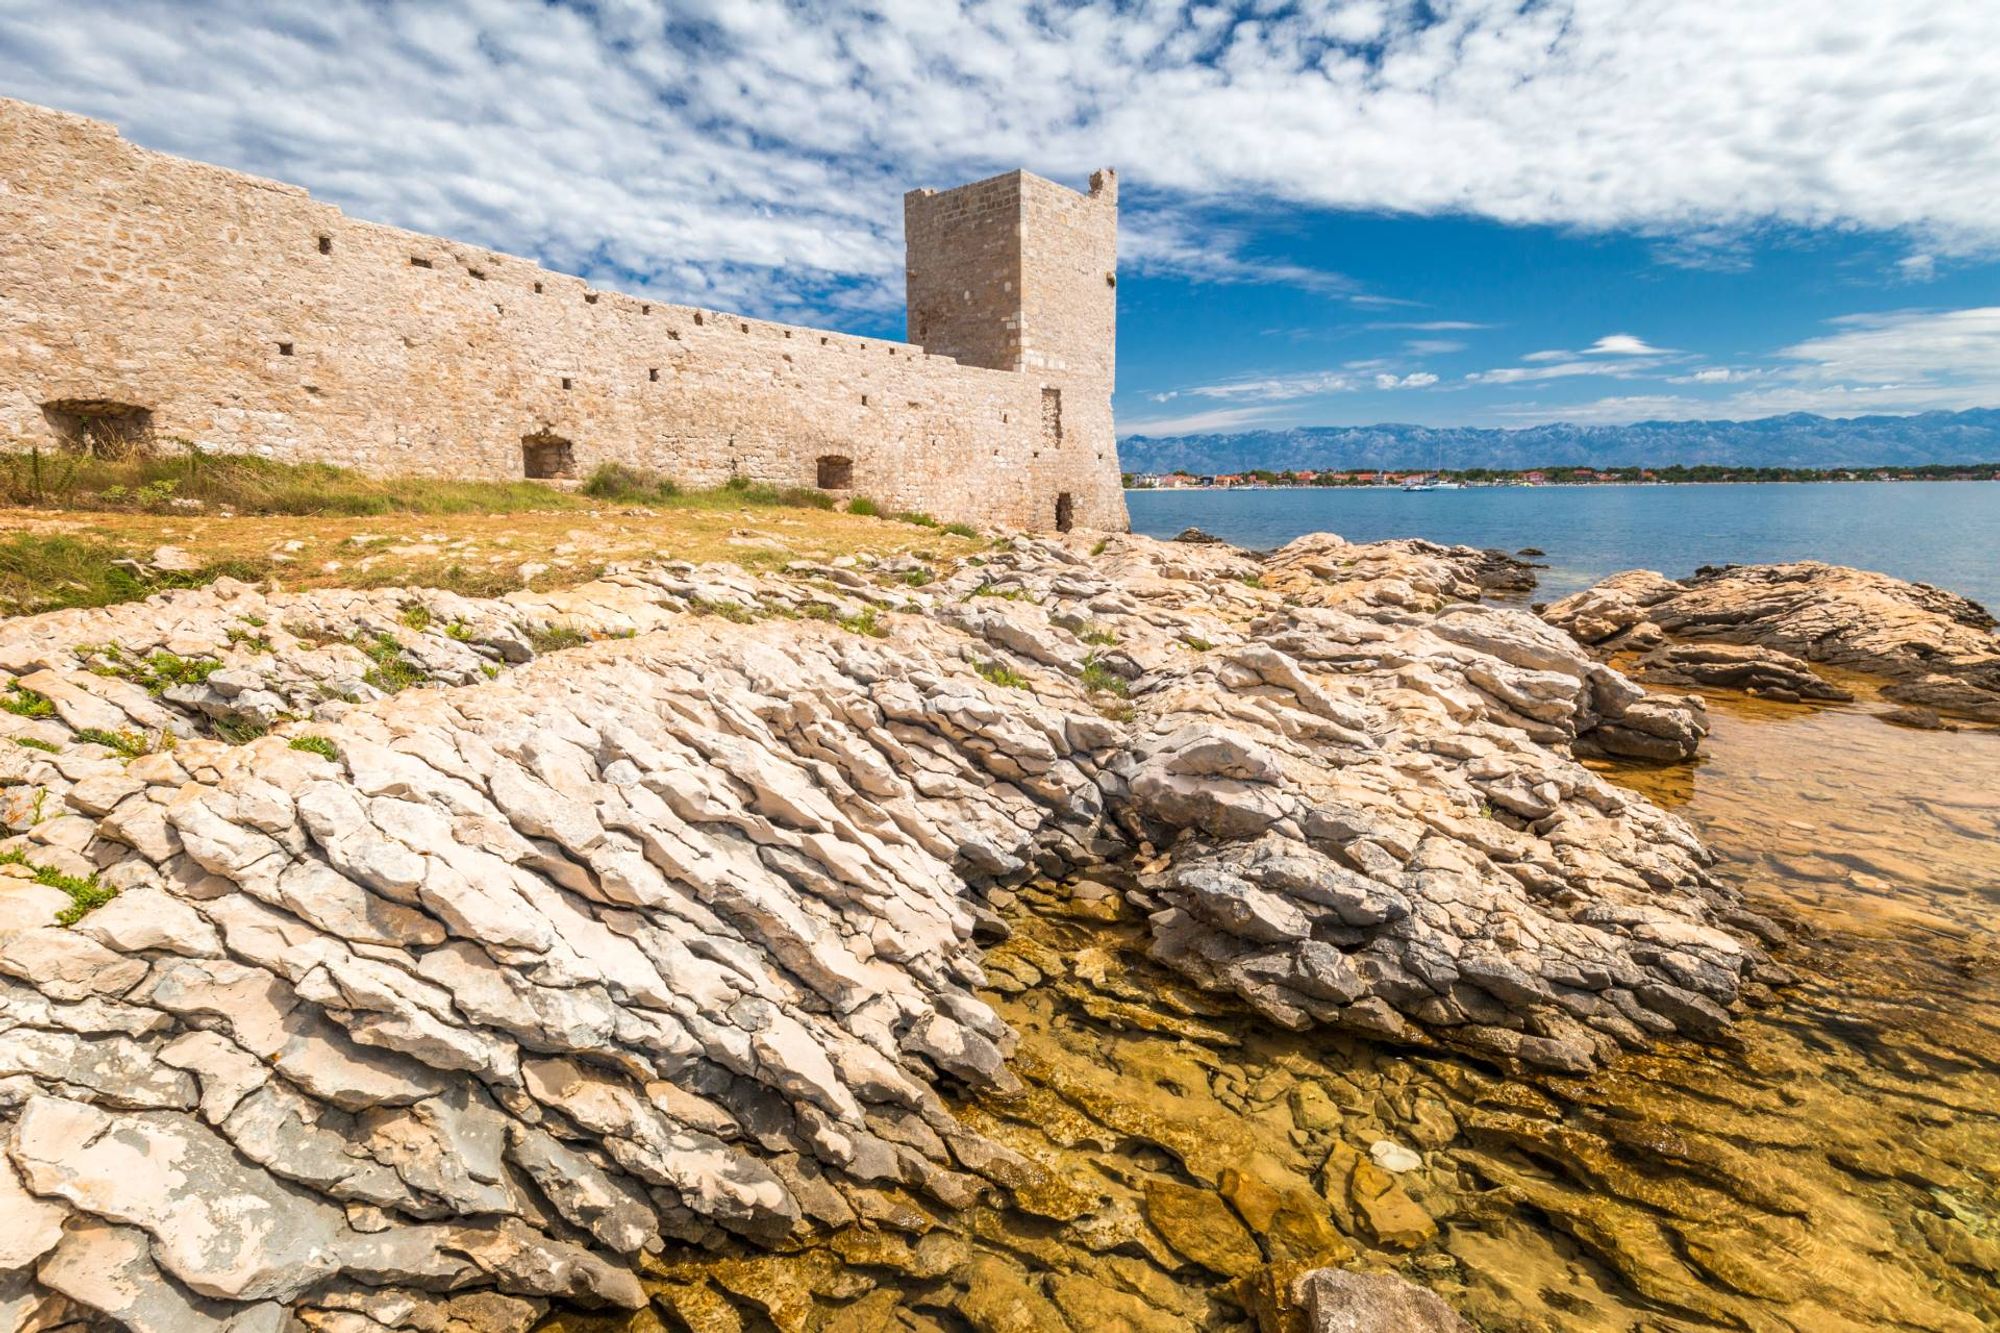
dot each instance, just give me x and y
(1443, 211)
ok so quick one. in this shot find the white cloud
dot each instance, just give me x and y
(1917, 267)
(750, 152)
(1432, 346)
(1421, 379)
(1218, 419)
(1560, 370)
(1435, 326)
(1267, 389)
(1621, 344)
(1903, 362)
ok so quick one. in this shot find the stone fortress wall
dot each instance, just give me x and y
(143, 291)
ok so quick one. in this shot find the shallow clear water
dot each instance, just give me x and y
(1834, 1168)
(1946, 533)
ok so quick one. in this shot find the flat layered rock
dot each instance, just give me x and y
(1935, 648)
(491, 967)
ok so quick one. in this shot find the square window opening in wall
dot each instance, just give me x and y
(568, 383)
(697, 317)
(418, 261)
(538, 289)
(835, 472)
(100, 427)
(326, 245)
(546, 456)
(653, 374)
(284, 349)
(864, 400)
(744, 327)
(590, 298)
(645, 309)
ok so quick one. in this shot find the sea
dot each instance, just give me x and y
(1943, 533)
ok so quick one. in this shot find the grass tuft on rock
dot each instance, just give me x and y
(999, 673)
(85, 892)
(318, 745)
(131, 744)
(554, 638)
(36, 743)
(26, 703)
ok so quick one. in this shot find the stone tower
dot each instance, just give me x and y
(1019, 274)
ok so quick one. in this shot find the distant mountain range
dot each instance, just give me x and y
(1798, 440)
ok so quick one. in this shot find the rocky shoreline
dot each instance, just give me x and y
(660, 924)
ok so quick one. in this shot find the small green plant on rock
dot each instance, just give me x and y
(1098, 678)
(239, 730)
(865, 622)
(85, 892)
(864, 506)
(416, 616)
(555, 638)
(129, 743)
(26, 703)
(961, 529)
(393, 670)
(999, 673)
(1199, 645)
(1097, 634)
(318, 745)
(36, 743)
(248, 639)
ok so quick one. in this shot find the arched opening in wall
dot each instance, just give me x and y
(836, 472)
(100, 427)
(1065, 512)
(545, 456)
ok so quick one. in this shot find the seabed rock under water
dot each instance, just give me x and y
(445, 1007)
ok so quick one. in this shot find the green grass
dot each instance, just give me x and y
(864, 506)
(1005, 594)
(734, 612)
(1098, 678)
(36, 743)
(1199, 645)
(999, 673)
(52, 572)
(25, 703)
(917, 518)
(393, 672)
(416, 616)
(618, 484)
(248, 639)
(916, 578)
(555, 638)
(1097, 548)
(615, 483)
(1097, 634)
(238, 730)
(318, 745)
(131, 744)
(175, 471)
(865, 621)
(961, 529)
(85, 892)
(157, 672)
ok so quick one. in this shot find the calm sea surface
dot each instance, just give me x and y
(1944, 533)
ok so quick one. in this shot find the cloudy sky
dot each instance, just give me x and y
(1448, 211)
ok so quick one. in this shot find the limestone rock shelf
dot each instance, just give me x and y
(656, 925)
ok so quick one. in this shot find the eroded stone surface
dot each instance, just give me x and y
(670, 938)
(1938, 649)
